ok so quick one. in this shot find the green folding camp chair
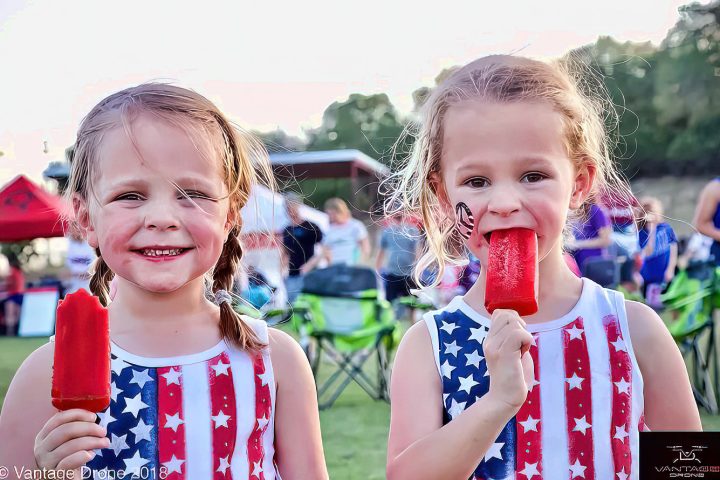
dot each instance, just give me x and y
(340, 317)
(690, 302)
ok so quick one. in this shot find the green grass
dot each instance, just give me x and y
(354, 430)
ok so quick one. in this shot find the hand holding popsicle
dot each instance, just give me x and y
(510, 367)
(68, 439)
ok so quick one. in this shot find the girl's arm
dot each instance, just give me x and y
(298, 443)
(669, 402)
(705, 211)
(420, 447)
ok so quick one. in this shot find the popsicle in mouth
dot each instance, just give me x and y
(81, 367)
(511, 279)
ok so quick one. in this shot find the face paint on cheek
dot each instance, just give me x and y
(464, 220)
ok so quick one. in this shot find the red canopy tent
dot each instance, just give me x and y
(27, 211)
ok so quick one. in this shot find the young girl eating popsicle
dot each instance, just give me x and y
(508, 146)
(158, 178)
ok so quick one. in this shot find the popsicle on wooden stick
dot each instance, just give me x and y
(512, 271)
(81, 368)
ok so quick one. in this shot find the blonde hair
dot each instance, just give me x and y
(502, 78)
(244, 161)
(338, 205)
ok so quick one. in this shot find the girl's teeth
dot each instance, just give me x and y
(157, 253)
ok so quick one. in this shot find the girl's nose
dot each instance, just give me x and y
(160, 216)
(504, 201)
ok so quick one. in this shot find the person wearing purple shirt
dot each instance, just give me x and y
(592, 237)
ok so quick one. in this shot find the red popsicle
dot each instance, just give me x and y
(81, 369)
(512, 271)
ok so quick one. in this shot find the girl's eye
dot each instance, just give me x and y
(477, 182)
(195, 194)
(533, 177)
(129, 196)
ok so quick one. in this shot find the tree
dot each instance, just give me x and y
(370, 124)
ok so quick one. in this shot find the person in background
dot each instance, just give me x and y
(707, 216)
(592, 236)
(396, 257)
(299, 239)
(625, 245)
(346, 240)
(79, 257)
(15, 285)
(697, 250)
(659, 248)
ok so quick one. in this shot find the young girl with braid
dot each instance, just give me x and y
(158, 179)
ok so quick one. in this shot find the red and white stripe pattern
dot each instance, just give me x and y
(621, 375)
(529, 426)
(206, 414)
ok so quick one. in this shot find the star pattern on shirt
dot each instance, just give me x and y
(623, 386)
(221, 420)
(221, 368)
(257, 470)
(452, 348)
(173, 465)
(478, 334)
(495, 451)
(447, 369)
(134, 464)
(577, 469)
(114, 391)
(134, 405)
(575, 381)
(265, 377)
(581, 424)
(448, 327)
(141, 431)
(621, 433)
(140, 377)
(530, 424)
(619, 345)
(224, 465)
(622, 475)
(530, 470)
(456, 408)
(118, 443)
(474, 358)
(172, 377)
(173, 421)
(574, 332)
(467, 383)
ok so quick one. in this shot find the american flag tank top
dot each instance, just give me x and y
(584, 409)
(208, 415)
